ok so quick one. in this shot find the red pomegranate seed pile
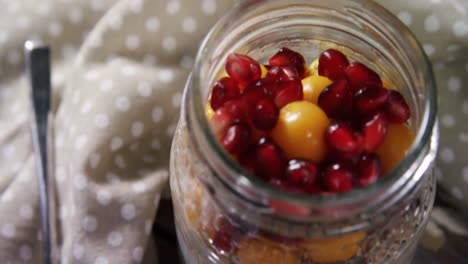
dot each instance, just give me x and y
(247, 106)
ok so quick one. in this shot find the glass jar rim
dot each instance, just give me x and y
(427, 126)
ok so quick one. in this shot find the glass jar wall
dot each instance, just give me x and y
(225, 215)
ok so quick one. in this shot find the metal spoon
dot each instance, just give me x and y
(37, 56)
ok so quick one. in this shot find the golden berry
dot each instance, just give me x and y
(300, 131)
(312, 86)
(395, 146)
(313, 68)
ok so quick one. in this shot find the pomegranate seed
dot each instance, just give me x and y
(289, 73)
(282, 184)
(301, 173)
(332, 64)
(226, 234)
(236, 138)
(223, 90)
(237, 107)
(342, 138)
(225, 117)
(347, 159)
(247, 160)
(222, 240)
(368, 169)
(374, 131)
(370, 99)
(336, 100)
(271, 161)
(254, 93)
(397, 109)
(256, 135)
(282, 74)
(338, 179)
(315, 189)
(360, 76)
(265, 114)
(290, 91)
(243, 69)
(271, 87)
(288, 57)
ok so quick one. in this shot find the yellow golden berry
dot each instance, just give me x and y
(264, 71)
(395, 146)
(300, 131)
(209, 112)
(313, 85)
(386, 84)
(223, 73)
(313, 68)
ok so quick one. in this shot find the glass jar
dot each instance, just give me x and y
(225, 215)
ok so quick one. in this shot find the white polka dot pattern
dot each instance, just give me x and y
(122, 103)
(137, 128)
(25, 253)
(104, 197)
(101, 260)
(114, 239)
(189, 24)
(26, 212)
(8, 230)
(89, 223)
(152, 24)
(137, 254)
(460, 28)
(80, 182)
(75, 15)
(101, 120)
(116, 143)
(78, 252)
(106, 85)
(132, 42)
(454, 84)
(128, 211)
(157, 114)
(55, 29)
(173, 6)
(120, 162)
(447, 155)
(432, 24)
(144, 89)
(169, 43)
(429, 49)
(209, 7)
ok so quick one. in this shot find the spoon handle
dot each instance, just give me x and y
(37, 58)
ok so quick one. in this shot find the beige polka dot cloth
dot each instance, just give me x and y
(118, 71)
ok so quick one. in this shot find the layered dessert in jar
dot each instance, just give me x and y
(296, 157)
